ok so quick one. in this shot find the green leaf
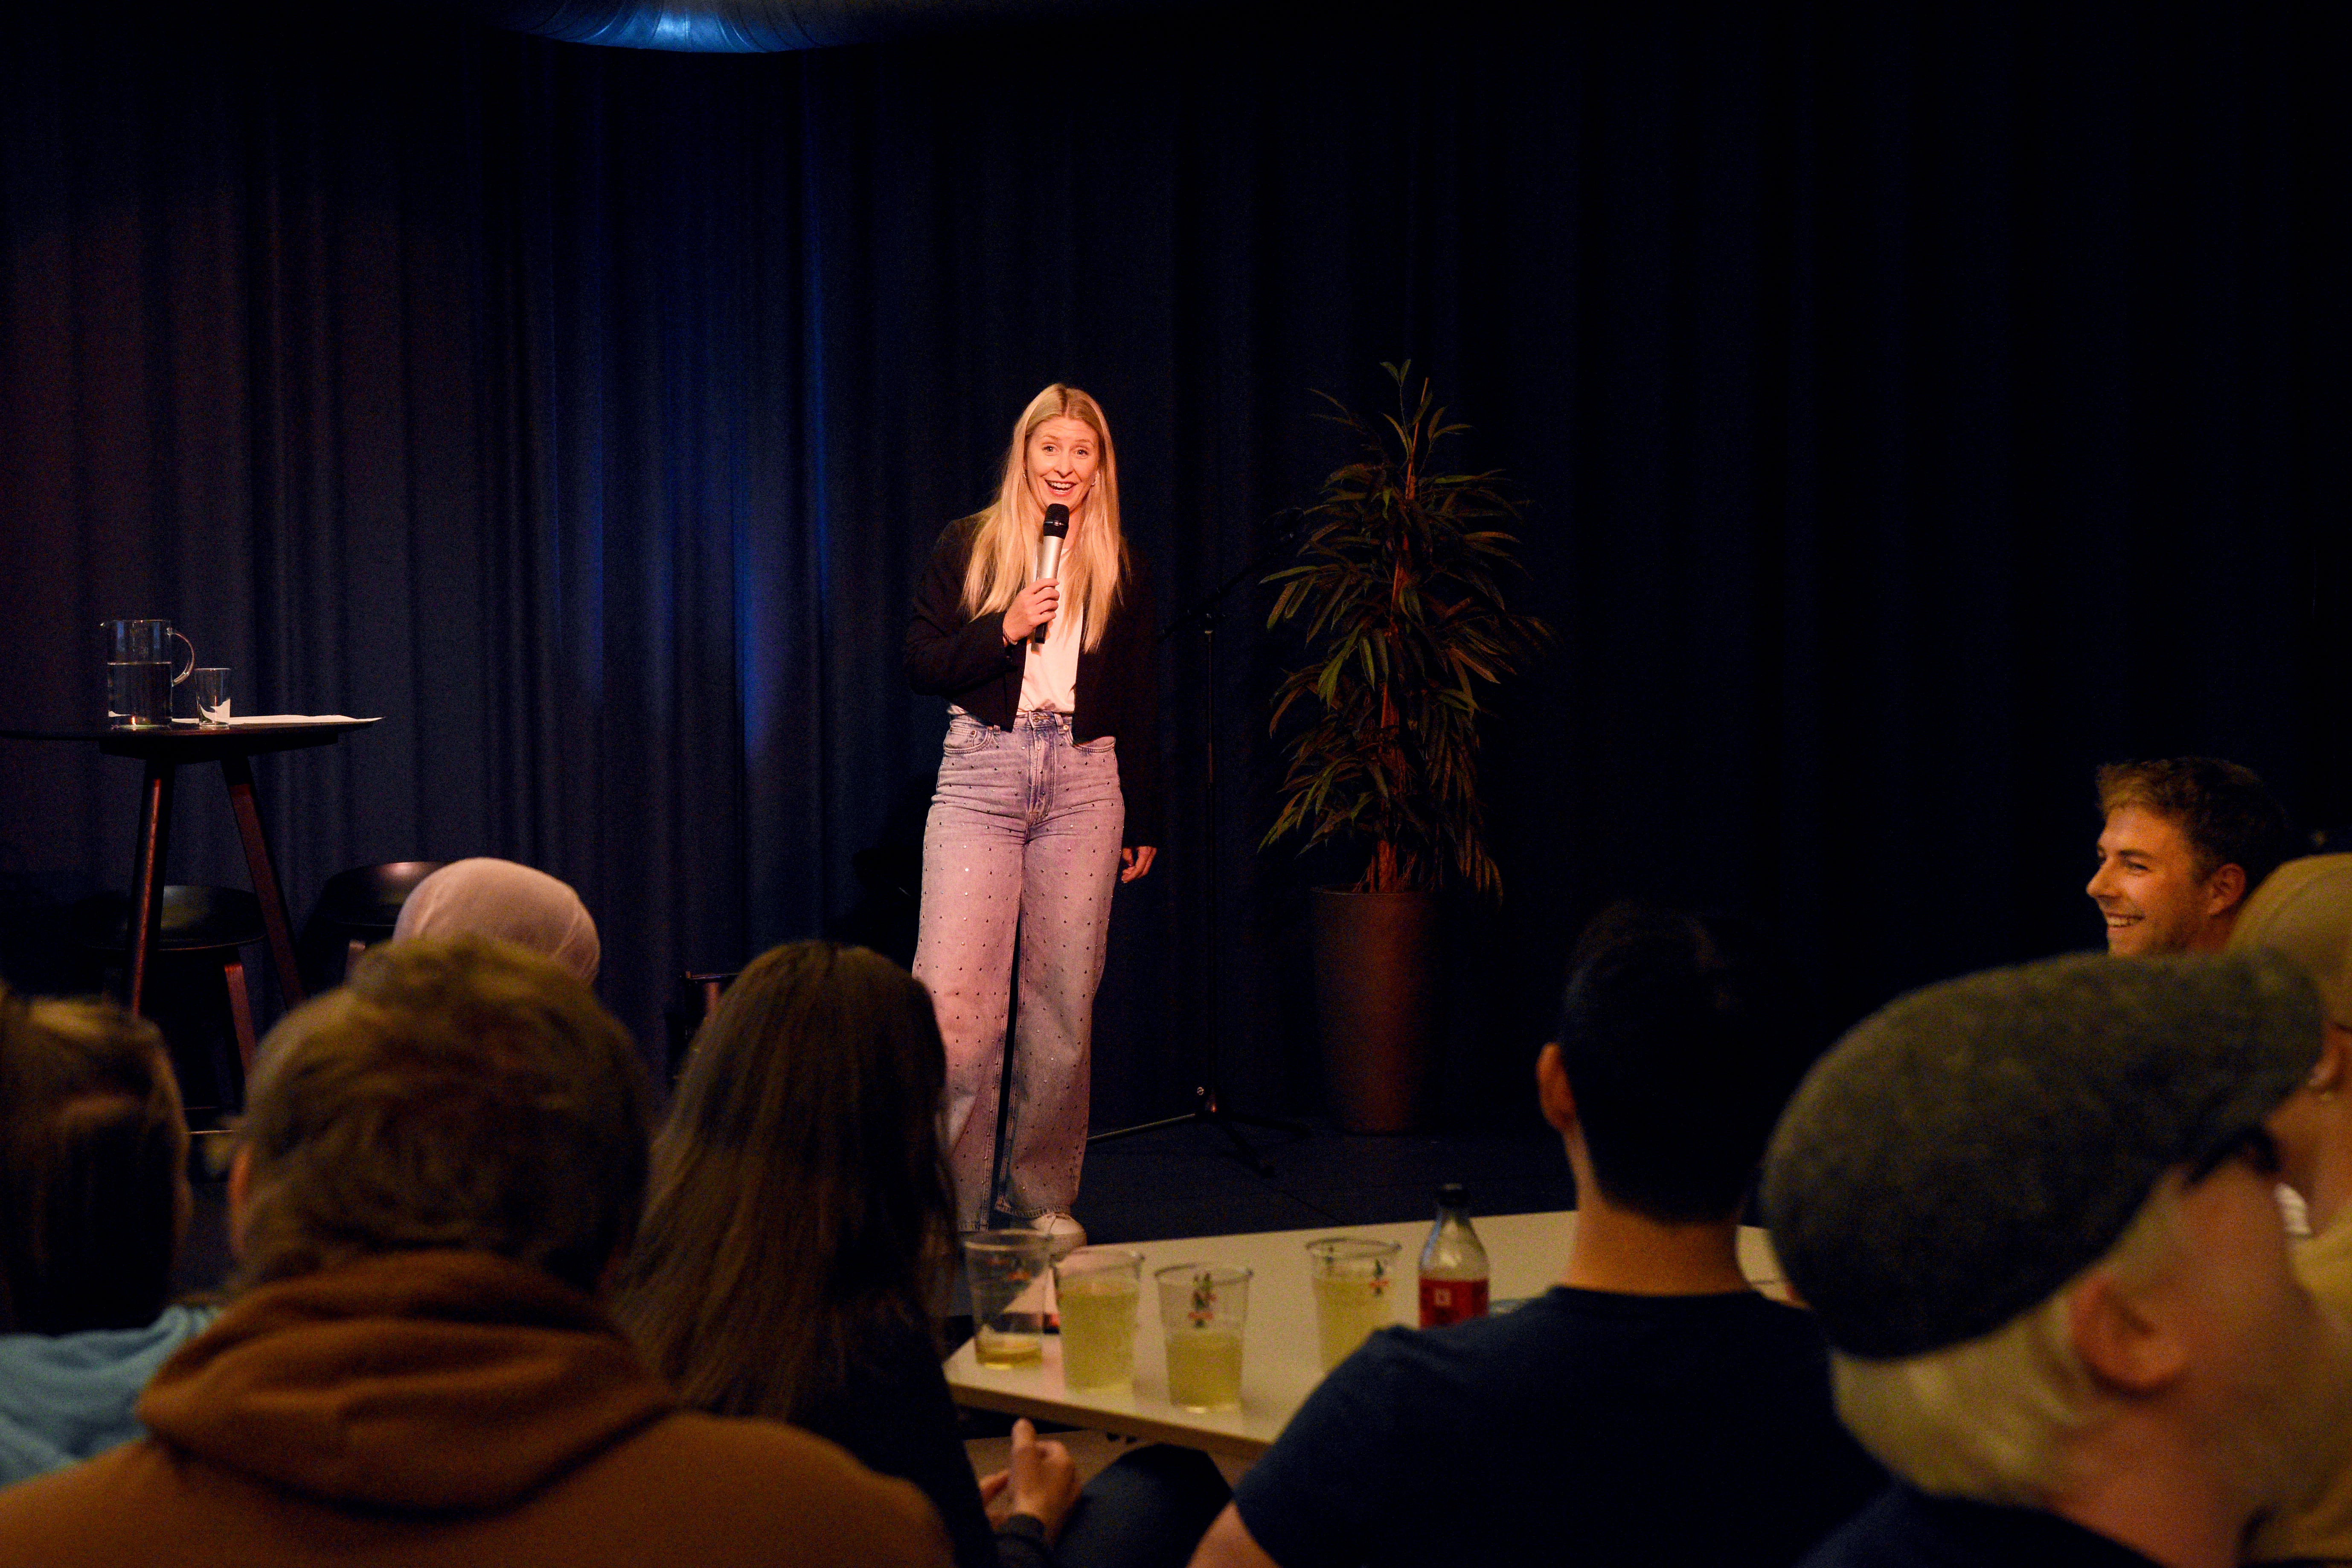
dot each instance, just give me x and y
(1394, 591)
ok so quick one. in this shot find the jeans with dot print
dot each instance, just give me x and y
(1024, 830)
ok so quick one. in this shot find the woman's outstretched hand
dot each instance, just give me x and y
(1135, 861)
(1042, 1483)
(1039, 602)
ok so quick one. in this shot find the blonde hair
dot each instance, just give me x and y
(1003, 551)
(1991, 1418)
(456, 1092)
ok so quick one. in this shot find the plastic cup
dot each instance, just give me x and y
(1355, 1284)
(1095, 1289)
(1009, 1276)
(1203, 1307)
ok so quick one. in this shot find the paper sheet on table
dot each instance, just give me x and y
(296, 719)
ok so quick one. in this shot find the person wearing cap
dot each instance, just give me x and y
(2185, 840)
(2031, 1209)
(1651, 1407)
(2303, 910)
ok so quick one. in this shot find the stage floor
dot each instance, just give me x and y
(1187, 1181)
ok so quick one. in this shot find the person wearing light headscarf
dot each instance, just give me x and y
(483, 897)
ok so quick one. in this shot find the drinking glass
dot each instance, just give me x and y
(1009, 1273)
(209, 683)
(1095, 1289)
(1203, 1307)
(1354, 1279)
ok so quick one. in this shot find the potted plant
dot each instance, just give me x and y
(1398, 584)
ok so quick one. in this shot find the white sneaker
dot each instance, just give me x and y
(1065, 1232)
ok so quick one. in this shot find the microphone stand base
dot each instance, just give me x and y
(1206, 1113)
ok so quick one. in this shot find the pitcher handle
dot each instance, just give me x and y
(192, 657)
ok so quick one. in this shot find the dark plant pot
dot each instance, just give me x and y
(1375, 972)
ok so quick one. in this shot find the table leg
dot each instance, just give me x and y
(238, 772)
(147, 873)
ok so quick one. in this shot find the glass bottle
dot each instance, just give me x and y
(1452, 1264)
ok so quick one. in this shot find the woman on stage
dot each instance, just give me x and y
(1047, 798)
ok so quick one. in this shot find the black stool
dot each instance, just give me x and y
(196, 922)
(357, 909)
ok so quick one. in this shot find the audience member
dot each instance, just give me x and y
(2186, 839)
(440, 1165)
(482, 896)
(798, 1231)
(1651, 1407)
(93, 1204)
(2033, 1210)
(2304, 910)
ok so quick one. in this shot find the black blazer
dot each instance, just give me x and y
(966, 659)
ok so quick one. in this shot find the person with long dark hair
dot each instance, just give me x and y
(798, 1231)
(1047, 799)
(799, 1228)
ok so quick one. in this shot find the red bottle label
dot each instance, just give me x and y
(1444, 1301)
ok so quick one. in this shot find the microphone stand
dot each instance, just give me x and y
(1207, 1111)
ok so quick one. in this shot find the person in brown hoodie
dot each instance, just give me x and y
(440, 1165)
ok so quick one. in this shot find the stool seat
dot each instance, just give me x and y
(368, 898)
(356, 910)
(195, 919)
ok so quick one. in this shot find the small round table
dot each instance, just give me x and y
(164, 750)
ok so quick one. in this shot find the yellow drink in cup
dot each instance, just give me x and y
(1097, 1286)
(1353, 1282)
(1204, 1369)
(1007, 1269)
(1203, 1310)
(1098, 1334)
(1347, 1311)
(993, 1348)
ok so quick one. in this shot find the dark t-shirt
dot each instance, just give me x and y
(1908, 1529)
(1585, 1426)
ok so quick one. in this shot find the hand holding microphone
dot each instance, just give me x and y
(1033, 611)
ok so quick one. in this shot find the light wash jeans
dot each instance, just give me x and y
(1025, 829)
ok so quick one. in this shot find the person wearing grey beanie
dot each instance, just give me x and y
(2032, 1211)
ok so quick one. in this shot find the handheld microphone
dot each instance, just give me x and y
(1049, 555)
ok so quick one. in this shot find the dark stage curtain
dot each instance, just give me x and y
(1915, 408)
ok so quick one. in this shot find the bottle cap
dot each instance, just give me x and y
(1453, 1195)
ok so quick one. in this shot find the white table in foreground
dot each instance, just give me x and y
(1280, 1363)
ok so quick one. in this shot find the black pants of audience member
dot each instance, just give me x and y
(1148, 1510)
